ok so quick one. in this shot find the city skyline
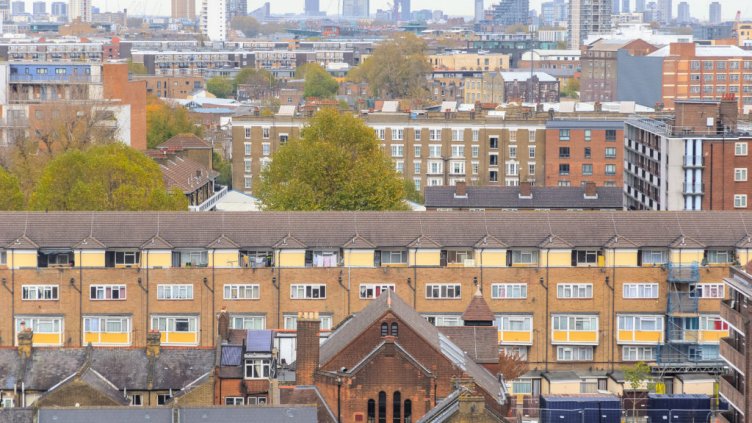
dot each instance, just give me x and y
(699, 8)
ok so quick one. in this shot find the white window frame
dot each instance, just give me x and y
(443, 291)
(707, 323)
(521, 351)
(741, 149)
(458, 135)
(574, 353)
(434, 134)
(632, 291)
(433, 149)
(509, 291)
(398, 150)
(398, 134)
(290, 321)
(266, 132)
(417, 151)
(170, 324)
(574, 291)
(239, 321)
(40, 292)
(175, 292)
(38, 324)
(740, 201)
(307, 291)
(127, 258)
(102, 323)
(639, 322)
(476, 135)
(740, 174)
(444, 320)
(266, 149)
(247, 182)
(720, 256)
(657, 256)
(242, 292)
(562, 322)
(262, 368)
(247, 165)
(531, 152)
(100, 292)
(247, 134)
(638, 353)
(514, 322)
(709, 290)
(525, 256)
(234, 401)
(458, 151)
(3, 258)
(371, 291)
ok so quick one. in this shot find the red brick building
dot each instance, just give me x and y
(599, 70)
(578, 152)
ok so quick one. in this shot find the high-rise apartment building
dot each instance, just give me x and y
(18, 7)
(695, 160)
(183, 9)
(554, 13)
(312, 7)
(214, 19)
(39, 8)
(511, 12)
(405, 10)
(665, 11)
(588, 17)
(715, 12)
(735, 350)
(235, 8)
(625, 6)
(79, 10)
(480, 11)
(356, 8)
(59, 9)
(639, 6)
(616, 7)
(683, 16)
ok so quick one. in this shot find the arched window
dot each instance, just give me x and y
(408, 411)
(394, 329)
(397, 405)
(384, 329)
(382, 407)
(371, 411)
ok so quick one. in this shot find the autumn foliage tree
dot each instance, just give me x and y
(512, 366)
(164, 122)
(101, 178)
(11, 198)
(397, 68)
(318, 82)
(337, 164)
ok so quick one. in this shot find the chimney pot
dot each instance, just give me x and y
(153, 343)
(25, 341)
(526, 190)
(590, 190)
(223, 324)
(307, 360)
(460, 189)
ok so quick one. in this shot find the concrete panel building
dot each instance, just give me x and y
(586, 18)
(183, 9)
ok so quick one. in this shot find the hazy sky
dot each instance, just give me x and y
(698, 8)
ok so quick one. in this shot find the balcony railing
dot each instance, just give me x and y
(211, 202)
(682, 303)
(693, 161)
(730, 312)
(732, 351)
(729, 391)
(55, 79)
(693, 188)
(683, 273)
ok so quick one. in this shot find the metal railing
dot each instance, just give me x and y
(211, 202)
(683, 273)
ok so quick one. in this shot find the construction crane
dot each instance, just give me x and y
(737, 22)
(395, 8)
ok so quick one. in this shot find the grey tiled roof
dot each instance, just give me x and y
(248, 414)
(111, 415)
(487, 197)
(383, 229)
(481, 343)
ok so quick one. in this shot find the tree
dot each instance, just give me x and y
(512, 366)
(318, 82)
(571, 88)
(636, 377)
(397, 68)
(248, 25)
(137, 68)
(11, 197)
(336, 165)
(107, 177)
(224, 168)
(411, 193)
(255, 77)
(164, 122)
(220, 86)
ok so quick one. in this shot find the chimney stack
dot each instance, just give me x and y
(526, 190)
(153, 343)
(590, 190)
(460, 189)
(307, 360)
(223, 324)
(25, 340)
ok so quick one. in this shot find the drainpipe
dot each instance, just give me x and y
(548, 319)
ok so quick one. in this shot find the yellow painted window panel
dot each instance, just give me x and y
(179, 337)
(515, 337)
(47, 339)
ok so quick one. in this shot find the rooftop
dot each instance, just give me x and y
(490, 197)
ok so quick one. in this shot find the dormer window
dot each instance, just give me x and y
(586, 257)
(256, 258)
(720, 256)
(322, 258)
(124, 258)
(190, 258)
(55, 258)
(652, 257)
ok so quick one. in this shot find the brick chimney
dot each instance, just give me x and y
(223, 324)
(460, 189)
(526, 190)
(25, 339)
(590, 190)
(307, 360)
(153, 343)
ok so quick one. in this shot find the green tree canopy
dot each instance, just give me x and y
(248, 25)
(164, 122)
(397, 68)
(318, 82)
(251, 76)
(11, 197)
(336, 165)
(106, 177)
(137, 68)
(220, 86)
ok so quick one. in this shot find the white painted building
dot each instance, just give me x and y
(214, 19)
(79, 9)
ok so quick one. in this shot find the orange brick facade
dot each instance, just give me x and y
(576, 155)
